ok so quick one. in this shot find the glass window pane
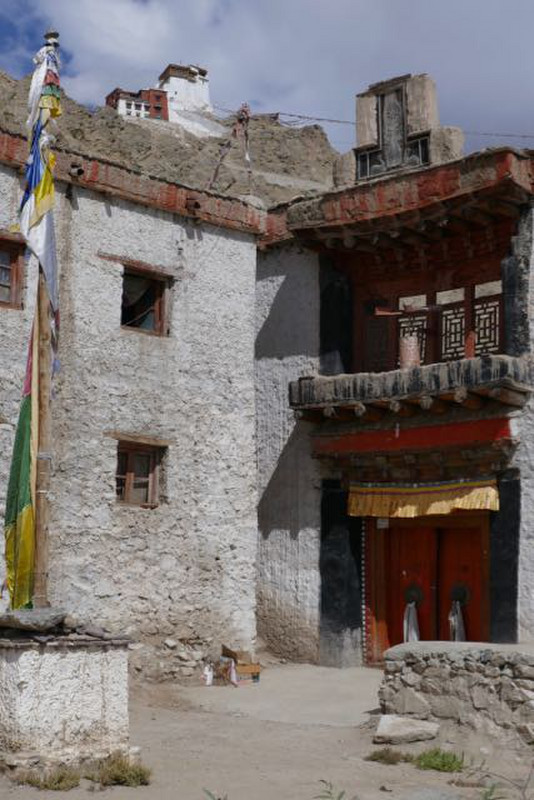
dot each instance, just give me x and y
(122, 463)
(488, 289)
(412, 303)
(139, 492)
(141, 465)
(5, 258)
(5, 294)
(450, 296)
(120, 487)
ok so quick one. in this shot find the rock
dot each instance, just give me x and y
(393, 729)
(33, 619)
(527, 732)
(171, 644)
(409, 702)
(524, 671)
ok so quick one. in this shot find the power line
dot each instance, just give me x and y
(310, 118)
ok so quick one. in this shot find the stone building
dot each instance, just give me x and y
(153, 523)
(182, 96)
(396, 311)
(296, 421)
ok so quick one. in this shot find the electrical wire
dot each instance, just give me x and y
(310, 118)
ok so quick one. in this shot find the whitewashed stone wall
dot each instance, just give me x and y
(181, 577)
(287, 347)
(522, 425)
(62, 702)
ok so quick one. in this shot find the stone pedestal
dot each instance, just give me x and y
(63, 700)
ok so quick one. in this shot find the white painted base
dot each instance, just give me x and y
(63, 701)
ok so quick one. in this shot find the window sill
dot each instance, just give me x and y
(11, 306)
(146, 506)
(155, 334)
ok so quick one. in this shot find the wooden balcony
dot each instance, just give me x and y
(469, 383)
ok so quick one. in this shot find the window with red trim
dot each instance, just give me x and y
(11, 271)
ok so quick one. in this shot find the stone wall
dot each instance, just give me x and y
(62, 701)
(287, 346)
(488, 688)
(180, 577)
(518, 292)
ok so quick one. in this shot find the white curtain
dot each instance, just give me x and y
(411, 624)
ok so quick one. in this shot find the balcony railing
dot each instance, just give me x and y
(440, 331)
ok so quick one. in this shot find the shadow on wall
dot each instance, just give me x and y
(291, 327)
(290, 501)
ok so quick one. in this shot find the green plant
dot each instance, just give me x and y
(490, 793)
(118, 770)
(386, 755)
(329, 792)
(59, 779)
(439, 760)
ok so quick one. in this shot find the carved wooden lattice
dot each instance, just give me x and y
(487, 314)
(414, 324)
(452, 332)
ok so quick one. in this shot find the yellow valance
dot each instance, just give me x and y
(385, 500)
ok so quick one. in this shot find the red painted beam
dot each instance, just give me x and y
(424, 437)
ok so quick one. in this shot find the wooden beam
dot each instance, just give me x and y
(509, 397)
(400, 408)
(367, 412)
(139, 438)
(464, 398)
(433, 404)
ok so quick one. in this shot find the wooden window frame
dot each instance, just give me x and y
(16, 250)
(161, 327)
(130, 450)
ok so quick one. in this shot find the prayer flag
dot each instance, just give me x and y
(37, 227)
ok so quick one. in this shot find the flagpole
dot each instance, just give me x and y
(44, 457)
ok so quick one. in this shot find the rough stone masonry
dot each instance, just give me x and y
(179, 578)
(484, 687)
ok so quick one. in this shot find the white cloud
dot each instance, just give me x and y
(309, 56)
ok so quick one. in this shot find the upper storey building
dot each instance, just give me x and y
(406, 474)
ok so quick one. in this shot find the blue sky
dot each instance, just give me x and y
(304, 56)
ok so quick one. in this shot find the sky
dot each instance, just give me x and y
(300, 56)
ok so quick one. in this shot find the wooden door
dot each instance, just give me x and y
(440, 558)
(463, 576)
(412, 571)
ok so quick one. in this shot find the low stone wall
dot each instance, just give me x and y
(485, 687)
(62, 701)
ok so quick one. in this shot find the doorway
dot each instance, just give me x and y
(432, 561)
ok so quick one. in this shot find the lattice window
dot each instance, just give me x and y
(414, 324)
(487, 313)
(452, 332)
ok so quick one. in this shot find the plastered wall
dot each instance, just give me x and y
(179, 578)
(287, 347)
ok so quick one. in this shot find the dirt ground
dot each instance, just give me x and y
(273, 741)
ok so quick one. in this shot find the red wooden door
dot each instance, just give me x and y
(462, 575)
(411, 574)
